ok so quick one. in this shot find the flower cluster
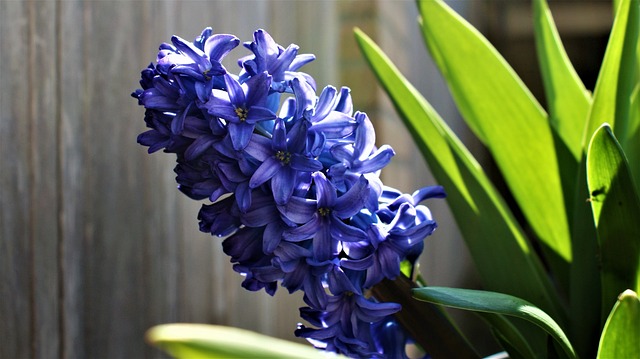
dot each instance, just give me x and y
(293, 180)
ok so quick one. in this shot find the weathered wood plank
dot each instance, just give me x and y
(73, 165)
(42, 79)
(15, 326)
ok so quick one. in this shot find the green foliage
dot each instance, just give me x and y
(622, 330)
(496, 303)
(575, 180)
(616, 210)
(194, 341)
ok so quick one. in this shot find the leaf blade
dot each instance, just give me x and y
(497, 303)
(622, 329)
(501, 253)
(568, 99)
(196, 341)
(504, 115)
(616, 80)
(616, 209)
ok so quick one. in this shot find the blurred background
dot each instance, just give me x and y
(97, 245)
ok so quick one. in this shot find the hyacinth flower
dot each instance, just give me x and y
(293, 183)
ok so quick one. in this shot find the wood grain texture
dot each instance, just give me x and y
(97, 245)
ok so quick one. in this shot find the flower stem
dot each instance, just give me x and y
(426, 323)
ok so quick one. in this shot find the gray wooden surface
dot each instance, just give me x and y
(96, 243)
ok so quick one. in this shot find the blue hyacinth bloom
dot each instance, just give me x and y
(292, 183)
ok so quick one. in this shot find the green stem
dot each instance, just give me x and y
(426, 323)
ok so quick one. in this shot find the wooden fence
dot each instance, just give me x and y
(96, 243)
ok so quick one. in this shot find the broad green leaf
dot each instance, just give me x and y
(616, 212)
(610, 104)
(616, 80)
(497, 303)
(200, 341)
(428, 324)
(621, 334)
(631, 144)
(503, 257)
(511, 339)
(505, 116)
(567, 98)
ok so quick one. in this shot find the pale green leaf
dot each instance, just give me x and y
(567, 99)
(616, 212)
(200, 341)
(621, 334)
(631, 142)
(504, 258)
(503, 113)
(497, 303)
(616, 80)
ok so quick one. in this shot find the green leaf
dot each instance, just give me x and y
(621, 334)
(616, 212)
(567, 98)
(497, 303)
(503, 113)
(616, 80)
(196, 341)
(511, 339)
(505, 260)
(630, 143)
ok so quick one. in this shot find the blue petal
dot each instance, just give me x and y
(219, 45)
(299, 210)
(325, 191)
(324, 246)
(259, 147)
(377, 161)
(300, 61)
(365, 136)
(344, 103)
(428, 192)
(240, 133)
(257, 113)
(193, 52)
(198, 147)
(258, 89)
(335, 125)
(344, 232)
(325, 103)
(303, 232)
(283, 183)
(305, 97)
(303, 163)
(265, 172)
(353, 200)
(235, 91)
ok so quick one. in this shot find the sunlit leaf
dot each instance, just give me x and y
(616, 210)
(505, 116)
(497, 303)
(616, 80)
(567, 98)
(621, 334)
(504, 258)
(200, 341)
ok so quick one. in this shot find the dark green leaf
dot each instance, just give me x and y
(616, 212)
(497, 303)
